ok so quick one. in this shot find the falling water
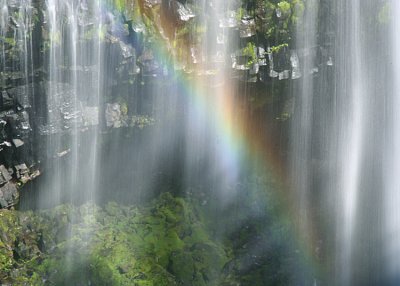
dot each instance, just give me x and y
(392, 170)
(346, 133)
(20, 27)
(301, 143)
(344, 160)
(16, 66)
(207, 149)
(354, 121)
(303, 94)
(73, 96)
(350, 135)
(3, 31)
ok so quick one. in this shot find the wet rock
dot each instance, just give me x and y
(149, 64)
(176, 12)
(294, 60)
(18, 143)
(184, 12)
(21, 94)
(6, 101)
(113, 115)
(8, 195)
(151, 3)
(284, 75)
(115, 118)
(90, 116)
(21, 170)
(85, 20)
(329, 62)
(4, 175)
(63, 153)
(127, 51)
(247, 27)
(240, 62)
(229, 21)
(33, 175)
(65, 112)
(261, 55)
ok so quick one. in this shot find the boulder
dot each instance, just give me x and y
(8, 195)
(4, 175)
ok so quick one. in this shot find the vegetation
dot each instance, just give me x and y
(170, 241)
(164, 243)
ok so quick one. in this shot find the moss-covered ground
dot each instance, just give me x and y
(164, 243)
(169, 241)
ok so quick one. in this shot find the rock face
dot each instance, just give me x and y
(17, 159)
(8, 194)
(16, 136)
(41, 102)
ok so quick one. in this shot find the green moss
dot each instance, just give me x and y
(167, 242)
(284, 6)
(183, 266)
(161, 244)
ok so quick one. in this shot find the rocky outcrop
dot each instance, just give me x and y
(161, 43)
(17, 158)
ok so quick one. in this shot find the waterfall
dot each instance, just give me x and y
(362, 130)
(392, 157)
(73, 96)
(301, 141)
(17, 20)
(217, 79)
(3, 32)
(351, 110)
(344, 140)
(211, 109)
(17, 25)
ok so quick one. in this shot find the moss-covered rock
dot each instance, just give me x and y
(164, 243)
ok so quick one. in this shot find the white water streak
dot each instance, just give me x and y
(392, 171)
(351, 148)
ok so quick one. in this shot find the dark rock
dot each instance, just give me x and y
(21, 171)
(6, 102)
(229, 21)
(174, 14)
(4, 175)
(8, 195)
(113, 115)
(21, 94)
(127, 50)
(184, 12)
(247, 27)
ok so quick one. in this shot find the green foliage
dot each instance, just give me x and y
(164, 243)
(284, 6)
(276, 49)
(240, 13)
(250, 52)
(8, 41)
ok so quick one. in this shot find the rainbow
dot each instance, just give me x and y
(244, 139)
